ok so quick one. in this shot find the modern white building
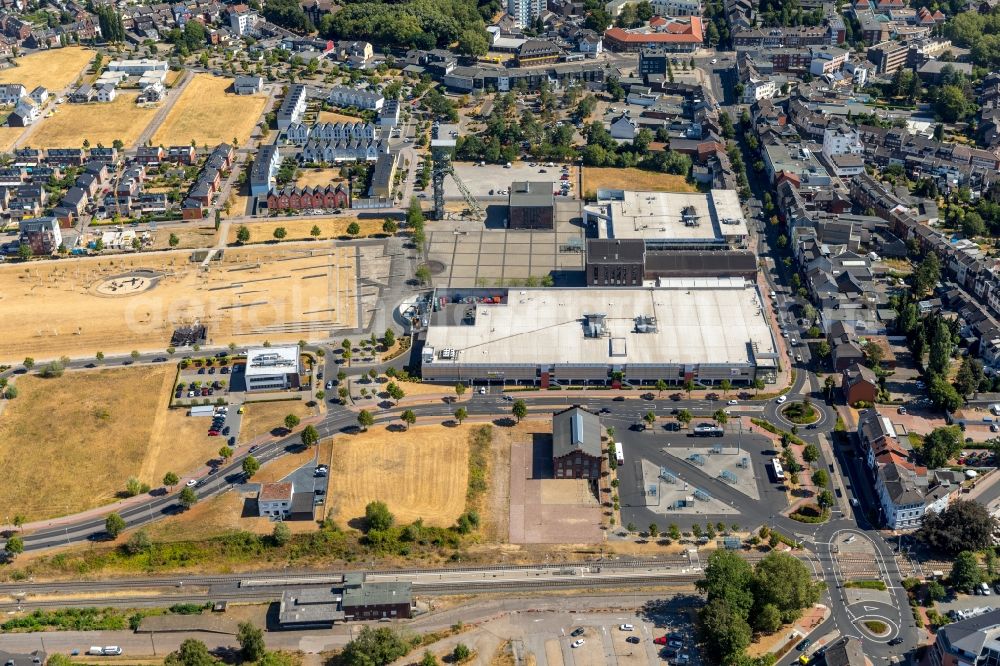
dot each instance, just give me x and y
(272, 368)
(525, 12)
(243, 22)
(827, 60)
(842, 140)
(138, 67)
(677, 7)
(362, 99)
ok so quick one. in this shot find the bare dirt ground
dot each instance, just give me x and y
(187, 238)
(422, 473)
(207, 114)
(275, 293)
(301, 229)
(633, 179)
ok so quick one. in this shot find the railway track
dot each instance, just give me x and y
(265, 595)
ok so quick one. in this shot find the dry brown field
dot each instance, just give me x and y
(99, 428)
(260, 418)
(275, 293)
(54, 69)
(422, 473)
(301, 229)
(98, 123)
(207, 114)
(633, 179)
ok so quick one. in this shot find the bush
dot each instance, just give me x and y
(866, 584)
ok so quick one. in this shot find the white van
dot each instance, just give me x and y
(110, 650)
(96, 650)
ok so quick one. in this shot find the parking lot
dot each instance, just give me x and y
(480, 180)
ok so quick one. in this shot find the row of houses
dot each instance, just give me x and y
(300, 134)
(208, 182)
(306, 198)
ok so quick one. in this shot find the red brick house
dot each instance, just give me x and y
(576, 444)
(301, 198)
(859, 384)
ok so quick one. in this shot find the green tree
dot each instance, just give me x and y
(519, 410)
(408, 417)
(460, 653)
(280, 232)
(377, 516)
(684, 417)
(191, 653)
(728, 578)
(225, 453)
(461, 414)
(820, 478)
(243, 234)
(460, 389)
(310, 436)
(941, 445)
(28, 363)
(188, 498)
(769, 619)
(24, 252)
(661, 386)
(353, 229)
(114, 524)
(423, 274)
(428, 659)
(173, 241)
(965, 572)
(825, 499)
(291, 420)
(251, 638)
(962, 525)
(784, 581)
(170, 480)
(936, 591)
(952, 104)
(720, 417)
(250, 467)
(726, 386)
(724, 631)
(810, 453)
(315, 232)
(373, 647)
(650, 418)
(390, 226)
(688, 387)
(389, 338)
(19, 521)
(365, 419)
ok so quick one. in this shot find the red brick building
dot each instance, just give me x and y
(302, 198)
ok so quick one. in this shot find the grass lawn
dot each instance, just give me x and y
(334, 117)
(55, 68)
(207, 114)
(800, 413)
(301, 229)
(633, 179)
(99, 428)
(421, 473)
(261, 418)
(99, 123)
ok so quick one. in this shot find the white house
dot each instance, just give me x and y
(138, 67)
(361, 99)
(842, 139)
(39, 95)
(624, 128)
(243, 22)
(827, 60)
(107, 93)
(248, 85)
(11, 93)
(275, 500)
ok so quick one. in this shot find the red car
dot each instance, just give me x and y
(662, 640)
(213, 433)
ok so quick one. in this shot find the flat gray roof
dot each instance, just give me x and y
(706, 321)
(531, 193)
(272, 360)
(672, 216)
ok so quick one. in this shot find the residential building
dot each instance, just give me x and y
(676, 34)
(677, 7)
(358, 98)
(107, 93)
(888, 56)
(11, 93)
(139, 67)
(845, 651)
(41, 234)
(827, 60)
(577, 452)
(842, 139)
(39, 95)
(301, 134)
(292, 106)
(272, 368)
(248, 85)
(305, 198)
(274, 500)
(859, 384)
(388, 117)
(524, 12)
(318, 151)
(624, 127)
(974, 641)
(265, 166)
(243, 22)
(25, 113)
(383, 175)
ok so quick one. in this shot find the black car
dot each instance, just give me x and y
(619, 398)
(577, 632)
(604, 410)
(648, 396)
(632, 639)
(896, 641)
(232, 441)
(638, 427)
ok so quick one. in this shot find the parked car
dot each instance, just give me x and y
(626, 627)
(191, 483)
(632, 639)
(577, 632)
(803, 645)
(577, 643)
(660, 640)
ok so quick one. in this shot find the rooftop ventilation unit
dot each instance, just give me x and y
(594, 326)
(645, 324)
(689, 216)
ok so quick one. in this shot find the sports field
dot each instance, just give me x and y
(54, 69)
(98, 123)
(283, 293)
(70, 443)
(633, 179)
(422, 473)
(207, 114)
